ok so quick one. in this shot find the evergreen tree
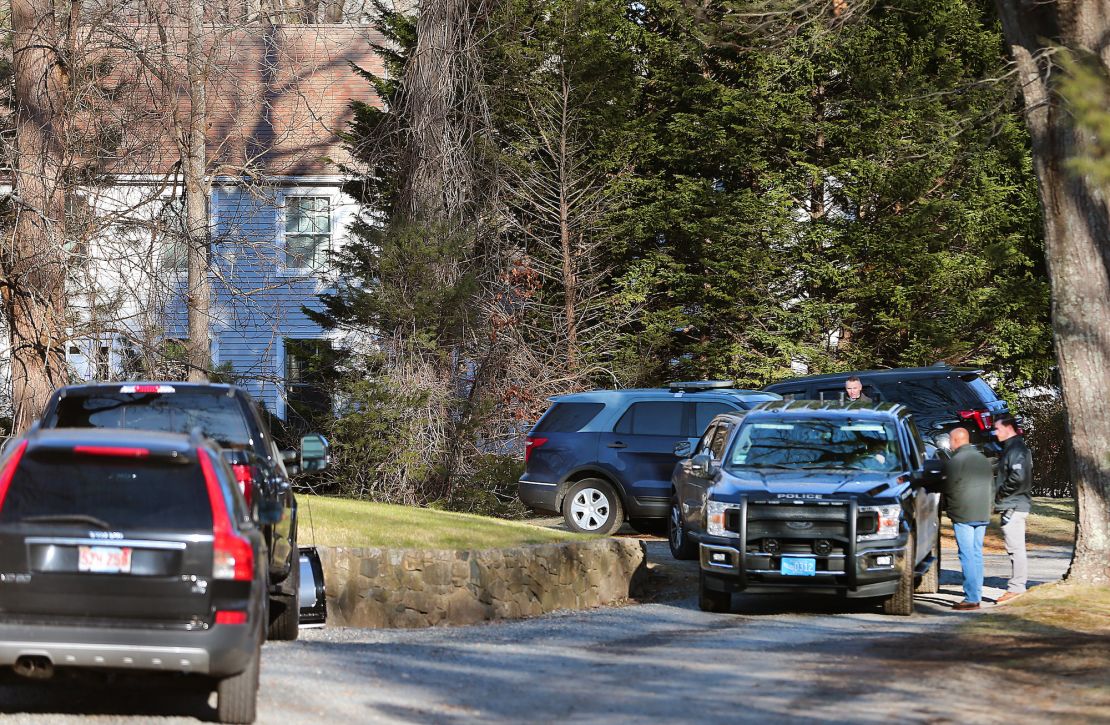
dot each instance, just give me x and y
(851, 199)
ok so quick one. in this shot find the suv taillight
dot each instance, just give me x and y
(244, 476)
(531, 443)
(982, 418)
(232, 555)
(9, 471)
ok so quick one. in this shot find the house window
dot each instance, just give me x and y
(307, 231)
(306, 375)
(170, 235)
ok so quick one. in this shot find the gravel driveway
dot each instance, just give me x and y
(772, 659)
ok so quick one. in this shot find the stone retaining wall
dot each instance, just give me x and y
(414, 588)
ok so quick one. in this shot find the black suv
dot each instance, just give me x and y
(130, 551)
(940, 397)
(811, 497)
(228, 415)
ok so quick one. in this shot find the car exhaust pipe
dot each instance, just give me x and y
(312, 595)
(34, 667)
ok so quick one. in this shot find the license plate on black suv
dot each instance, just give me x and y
(104, 559)
(798, 566)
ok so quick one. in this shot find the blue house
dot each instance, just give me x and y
(279, 97)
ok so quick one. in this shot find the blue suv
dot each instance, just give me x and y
(605, 455)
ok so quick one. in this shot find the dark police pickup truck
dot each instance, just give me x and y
(812, 497)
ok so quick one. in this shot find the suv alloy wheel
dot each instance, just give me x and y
(591, 506)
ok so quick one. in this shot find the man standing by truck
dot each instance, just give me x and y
(969, 492)
(1013, 498)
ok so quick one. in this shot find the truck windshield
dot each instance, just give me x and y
(810, 443)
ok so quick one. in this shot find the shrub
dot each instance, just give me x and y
(1046, 435)
(487, 487)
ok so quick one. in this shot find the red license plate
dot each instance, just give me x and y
(104, 559)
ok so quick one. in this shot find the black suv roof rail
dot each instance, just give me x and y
(695, 385)
(934, 369)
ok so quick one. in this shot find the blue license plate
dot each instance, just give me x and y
(793, 566)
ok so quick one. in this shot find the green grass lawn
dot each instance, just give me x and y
(328, 521)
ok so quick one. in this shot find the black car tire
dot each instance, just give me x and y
(930, 580)
(596, 504)
(285, 609)
(710, 600)
(682, 548)
(237, 696)
(649, 527)
(900, 603)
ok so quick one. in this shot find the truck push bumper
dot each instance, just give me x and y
(824, 536)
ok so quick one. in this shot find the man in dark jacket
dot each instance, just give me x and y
(969, 494)
(1013, 497)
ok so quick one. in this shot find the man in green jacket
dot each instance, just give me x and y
(969, 491)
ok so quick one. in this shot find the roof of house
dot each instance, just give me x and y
(277, 96)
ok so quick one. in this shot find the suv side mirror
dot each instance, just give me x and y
(943, 441)
(683, 449)
(315, 453)
(703, 465)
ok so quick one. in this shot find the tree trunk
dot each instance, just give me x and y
(194, 167)
(437, 170)
(1077, 249)
(34, 269)
(570, 277)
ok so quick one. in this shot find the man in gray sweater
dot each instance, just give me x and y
(969, 492)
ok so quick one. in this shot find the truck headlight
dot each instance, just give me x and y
(715, 518)
(890, 518)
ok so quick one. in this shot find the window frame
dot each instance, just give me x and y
(283, 230)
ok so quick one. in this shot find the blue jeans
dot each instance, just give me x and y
(969, 537)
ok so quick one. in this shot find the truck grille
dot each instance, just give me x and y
(791, 521)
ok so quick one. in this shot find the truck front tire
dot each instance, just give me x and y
(900, 603)
(682, 548)
(711, 600)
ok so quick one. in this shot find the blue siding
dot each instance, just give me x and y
(257, 303)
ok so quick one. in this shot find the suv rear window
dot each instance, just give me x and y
(923, 395)
(219, 416)
(568, 417)
(124, 494)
